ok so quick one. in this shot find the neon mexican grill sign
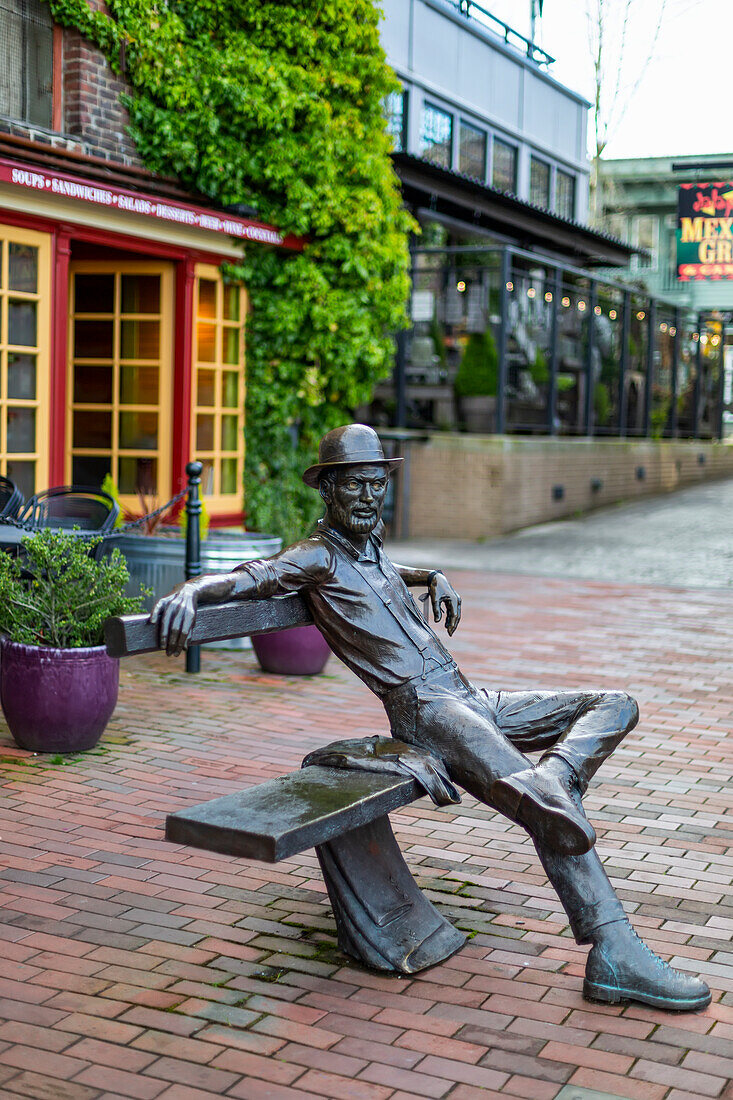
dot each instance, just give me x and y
(705, 231)
(148, 206)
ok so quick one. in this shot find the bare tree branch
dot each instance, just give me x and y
(611, 24)
(642, 69)
(621, 55)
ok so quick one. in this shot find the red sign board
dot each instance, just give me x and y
(148, 206)
(705, 231)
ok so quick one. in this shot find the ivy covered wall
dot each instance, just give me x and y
(279, 106)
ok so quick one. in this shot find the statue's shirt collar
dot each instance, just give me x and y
(371, 551)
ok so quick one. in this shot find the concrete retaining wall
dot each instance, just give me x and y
(478, 487)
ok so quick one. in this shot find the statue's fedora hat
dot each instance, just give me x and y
(352, 445)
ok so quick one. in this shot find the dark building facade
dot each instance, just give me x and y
(514, 294)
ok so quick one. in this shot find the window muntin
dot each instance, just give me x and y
(504, 167)
(26, 61)
(25, 294)
(539, 182)
(436, 136)
(564, 194)
(218, 388)
(472, 151)
(120, 367)
(395, 110)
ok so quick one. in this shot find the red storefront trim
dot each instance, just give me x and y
(232, 519)
(59, 350)
(111, 238)
(28, 221)
(169, 211)
(182, 374)
(64, 234)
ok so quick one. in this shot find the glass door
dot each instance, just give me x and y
(218, 388)
(120, 366)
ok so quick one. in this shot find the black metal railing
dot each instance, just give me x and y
(508, 34)
(561, 351)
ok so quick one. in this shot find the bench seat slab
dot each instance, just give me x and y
(292, 813)
(382, 917)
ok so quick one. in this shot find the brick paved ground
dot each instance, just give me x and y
(133, 968)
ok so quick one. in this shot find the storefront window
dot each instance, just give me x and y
(26, 61)
(218, 412)
(472, 151)
(539, 183)
(436, 136)
(504, 168)
(24, 349)
(120, 376)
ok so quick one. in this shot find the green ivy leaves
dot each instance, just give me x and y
(279, 106)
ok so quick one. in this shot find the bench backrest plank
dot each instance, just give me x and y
(292, 813)
(125, 635)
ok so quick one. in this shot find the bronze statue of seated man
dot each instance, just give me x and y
(360, 601)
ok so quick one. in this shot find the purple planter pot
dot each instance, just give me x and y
(299, 651)
(57, 700)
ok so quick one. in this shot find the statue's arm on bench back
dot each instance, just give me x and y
(125, 635)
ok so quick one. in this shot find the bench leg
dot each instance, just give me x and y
(382, 917)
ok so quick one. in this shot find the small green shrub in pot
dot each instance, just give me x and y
(58, 687)
(478, 373)
(539, 369)
(477, 382)
(55, 594)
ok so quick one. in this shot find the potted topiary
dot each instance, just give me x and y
(58, 687)
(476, 382)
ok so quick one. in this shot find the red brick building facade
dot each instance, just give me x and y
(121, 346)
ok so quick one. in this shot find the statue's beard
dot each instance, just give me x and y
(357, 525)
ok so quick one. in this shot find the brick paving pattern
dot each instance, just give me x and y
(135, 968)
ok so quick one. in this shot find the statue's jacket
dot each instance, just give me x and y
(360, 604)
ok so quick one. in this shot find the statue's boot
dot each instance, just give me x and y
(621, 967)
(540, 799)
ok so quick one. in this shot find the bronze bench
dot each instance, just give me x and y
(382, 917)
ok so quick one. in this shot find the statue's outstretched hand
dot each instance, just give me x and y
(175, 615)
(443, 594)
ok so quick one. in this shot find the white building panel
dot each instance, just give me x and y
(489, 81)
(436, 47)
(551, 118)
(394, 32)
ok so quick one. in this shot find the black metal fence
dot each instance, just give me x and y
(565, 352)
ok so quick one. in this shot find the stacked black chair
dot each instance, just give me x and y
(11, 499)
(91, 511)
(69, 506)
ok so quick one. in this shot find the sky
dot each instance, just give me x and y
(673, 102)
